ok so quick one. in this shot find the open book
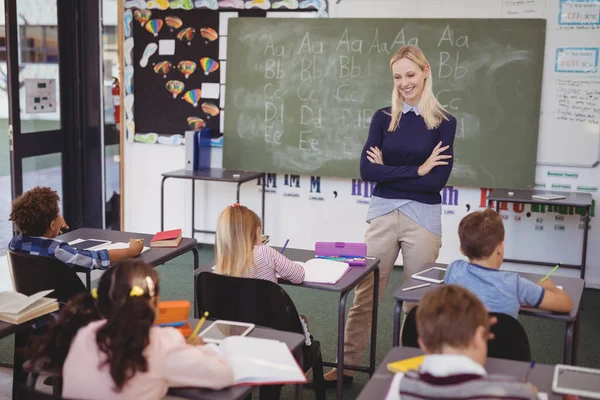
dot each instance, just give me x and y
(319, 270)
(258, 361)
(16, 308)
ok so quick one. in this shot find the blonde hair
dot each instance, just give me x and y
(432, 111)
(237, 231)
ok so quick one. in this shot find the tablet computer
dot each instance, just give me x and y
(221, 329)
(434, 274)
(580, 381)
(89, 244)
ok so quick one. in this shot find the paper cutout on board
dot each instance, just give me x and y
(173, 22)
(186, 68)
(192, 96)
(166, 47)
(209, 34)
(128, 72)
(163, 68)
(142, 16)
(158, 4)
(210, 109)
(223, 48)
(148, 51)
(209, 65)
(149, 138)
(127, 18)
(196, 123)
(130, 126)
(262, 4)
(135, 4)
(129, 106)
(173, 140)
(289, 4)
(186, 35)
(175, 87)
(210, 90)
(154, 26)
(127, 47)
(211, 4)
(231, 4)
(316, 4)
(182, 4)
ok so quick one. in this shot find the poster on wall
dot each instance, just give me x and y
(175, 58)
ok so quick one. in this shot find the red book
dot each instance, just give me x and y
(166, 239)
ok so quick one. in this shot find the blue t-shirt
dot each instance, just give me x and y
(500, 291)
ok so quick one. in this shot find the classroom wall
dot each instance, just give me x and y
(307, 209)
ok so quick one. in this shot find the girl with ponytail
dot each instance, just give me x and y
(107, 346)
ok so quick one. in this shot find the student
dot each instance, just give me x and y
(240, 252)
(108, 348)
(453, 328)
(37, 218)
(482, 241)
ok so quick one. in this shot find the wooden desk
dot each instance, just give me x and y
(378, 385)
(574, 199)
(352, 278)
(216, 175)
(294, 342)
(573, 286)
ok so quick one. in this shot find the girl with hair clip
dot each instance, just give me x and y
(240, 252)
(107, 345)
(409, 155)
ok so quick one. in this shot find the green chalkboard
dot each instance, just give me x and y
(300, 93)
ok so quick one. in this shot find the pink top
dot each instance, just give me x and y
(269, 264)
(171, 362)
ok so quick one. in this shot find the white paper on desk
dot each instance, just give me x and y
(319, 270)
(394, 390)
(79, 240)
(117, 246)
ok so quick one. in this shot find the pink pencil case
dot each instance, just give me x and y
(343, 250)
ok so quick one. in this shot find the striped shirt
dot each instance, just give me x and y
(48, 247)
(449, 376)
(269, 265)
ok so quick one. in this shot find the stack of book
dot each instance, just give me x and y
(16, 308)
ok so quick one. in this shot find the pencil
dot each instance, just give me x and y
(549, 273)
(284, 246)
(200, 323)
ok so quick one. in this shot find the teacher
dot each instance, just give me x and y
(409, 154)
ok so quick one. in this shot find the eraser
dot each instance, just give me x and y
(511, 193)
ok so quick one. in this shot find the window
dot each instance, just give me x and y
(39, 44)
(2, 43)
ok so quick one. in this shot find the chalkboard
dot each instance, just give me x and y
(301, 93)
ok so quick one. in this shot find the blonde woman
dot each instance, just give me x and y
(409, 155)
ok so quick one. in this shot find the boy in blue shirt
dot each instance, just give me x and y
(37, 217)
(481, 236)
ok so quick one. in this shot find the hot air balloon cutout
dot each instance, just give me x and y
(209, 34)
(186, 68)
(163, 68)
(154, 26)
(209, 65)
(173, 22)
(192, 96)
(142, 16)
(175, 87)
(186, 35)
(196, 123)
(210, 110)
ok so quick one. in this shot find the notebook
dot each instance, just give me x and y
(406, 365)
(166, 239)
(16, 308)
(258, 361)
(118, 246)
(319, 270)
(548, 196)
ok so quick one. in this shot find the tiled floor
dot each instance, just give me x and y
(5, 383)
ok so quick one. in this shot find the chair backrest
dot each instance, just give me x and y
(254, 301)
(410, 335)
(510, 339)
(31, 274)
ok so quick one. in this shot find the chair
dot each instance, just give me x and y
(31, 274)
(510, 339)
(259, 302)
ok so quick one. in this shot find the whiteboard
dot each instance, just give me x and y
(569, 132)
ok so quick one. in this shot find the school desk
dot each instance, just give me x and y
(573, 199)
(215, 175)
(349, 281)
(293, 341)
(573, 286)
(540, 376)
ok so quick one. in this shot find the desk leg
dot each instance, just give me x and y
(263, 202)
(374, 322)
(586, 227)
(19, 375)
(340, 347)
(396, 330)
(575, 353)
(196, 265)
(299, 387)
(162, 204)
(568, 345)
(88, 280)
(237, 193)
(193, 207)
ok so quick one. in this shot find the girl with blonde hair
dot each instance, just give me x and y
(408, 154)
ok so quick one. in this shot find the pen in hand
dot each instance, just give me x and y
(197, 328)
(529, 370)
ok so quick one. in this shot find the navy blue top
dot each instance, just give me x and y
(404, 151)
